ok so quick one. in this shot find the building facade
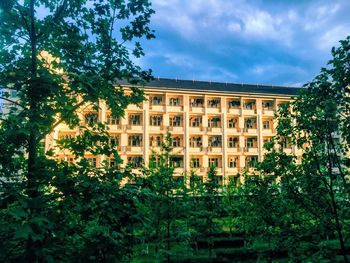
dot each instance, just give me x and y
(211, 123)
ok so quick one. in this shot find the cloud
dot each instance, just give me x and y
(331, 37)
(245, 41)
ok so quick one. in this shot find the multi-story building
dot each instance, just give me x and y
(211, 123)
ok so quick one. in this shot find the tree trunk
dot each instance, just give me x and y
(32, 184)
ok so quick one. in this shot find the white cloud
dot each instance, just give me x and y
(179, 60)
(234, 27)
(331, 37)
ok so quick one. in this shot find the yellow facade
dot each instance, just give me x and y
(209, 127)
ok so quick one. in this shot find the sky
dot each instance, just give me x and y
(275, 42)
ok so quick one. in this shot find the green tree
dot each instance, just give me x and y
(315, 188)
(212, 203)
(49, 206)
(159, 202)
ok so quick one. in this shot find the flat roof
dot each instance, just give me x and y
(197, 86)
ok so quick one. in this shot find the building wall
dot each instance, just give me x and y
(242, 121)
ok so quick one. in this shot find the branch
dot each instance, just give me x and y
(56, 16)
(12, 101)
(61, 120)
(23, 18)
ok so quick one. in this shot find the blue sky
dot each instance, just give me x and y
(255, 41)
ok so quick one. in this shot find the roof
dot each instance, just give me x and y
(194, 85)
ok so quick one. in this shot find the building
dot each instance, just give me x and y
(221, 124)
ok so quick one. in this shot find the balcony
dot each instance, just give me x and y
(215, 149)
(232, 170)
(197, 109)
(173, 108)
(268, 112)
(250, 130)
(179, 170)
(115, 127)
(267, 132)
(268, 108)
(178, 150)
(234, 107)
(195, 128)
(249, 107)
(213, 110)
(152, 128)
(213, 105)
(197, 149)
(215, 129)
(155, 149)
(175, 104)
(135, 107)
(134, 128)
(176, 128)
(234, 111)
(250, 150)
(219, 170)
(232, 149)
(157, 107)
(134, 149)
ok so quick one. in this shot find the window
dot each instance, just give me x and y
(175, 121)
(176, 161)
(251, 161)
(174, 102)
(215, 141)
(176, 141)
(91, 118)
(114, 141)
(233, 162)
(112, 162)
(214, 103)
(232, 142)
(266, 125)
(135, 119)
(250, 123)
(195, 163)
(231, 123)
(267, 105)
(92, 161)
(214, 122)
(135, 140)
(66, 136)
(251, 142)
(267, 140)
(155, 120)
(196, 141)
(234, 104)
(214, 162)
(156, 100)
(286, 143)
(195, 121)
(155, 141)
(249, 105)
(197, 102)
(112, 120)
(135, 161)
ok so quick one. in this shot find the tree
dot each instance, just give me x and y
(159, 202)
(58, 56)
(314, 186)
(211, 203)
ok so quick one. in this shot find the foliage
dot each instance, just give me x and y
(302, 200)
(159, 202)
(58, 57)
